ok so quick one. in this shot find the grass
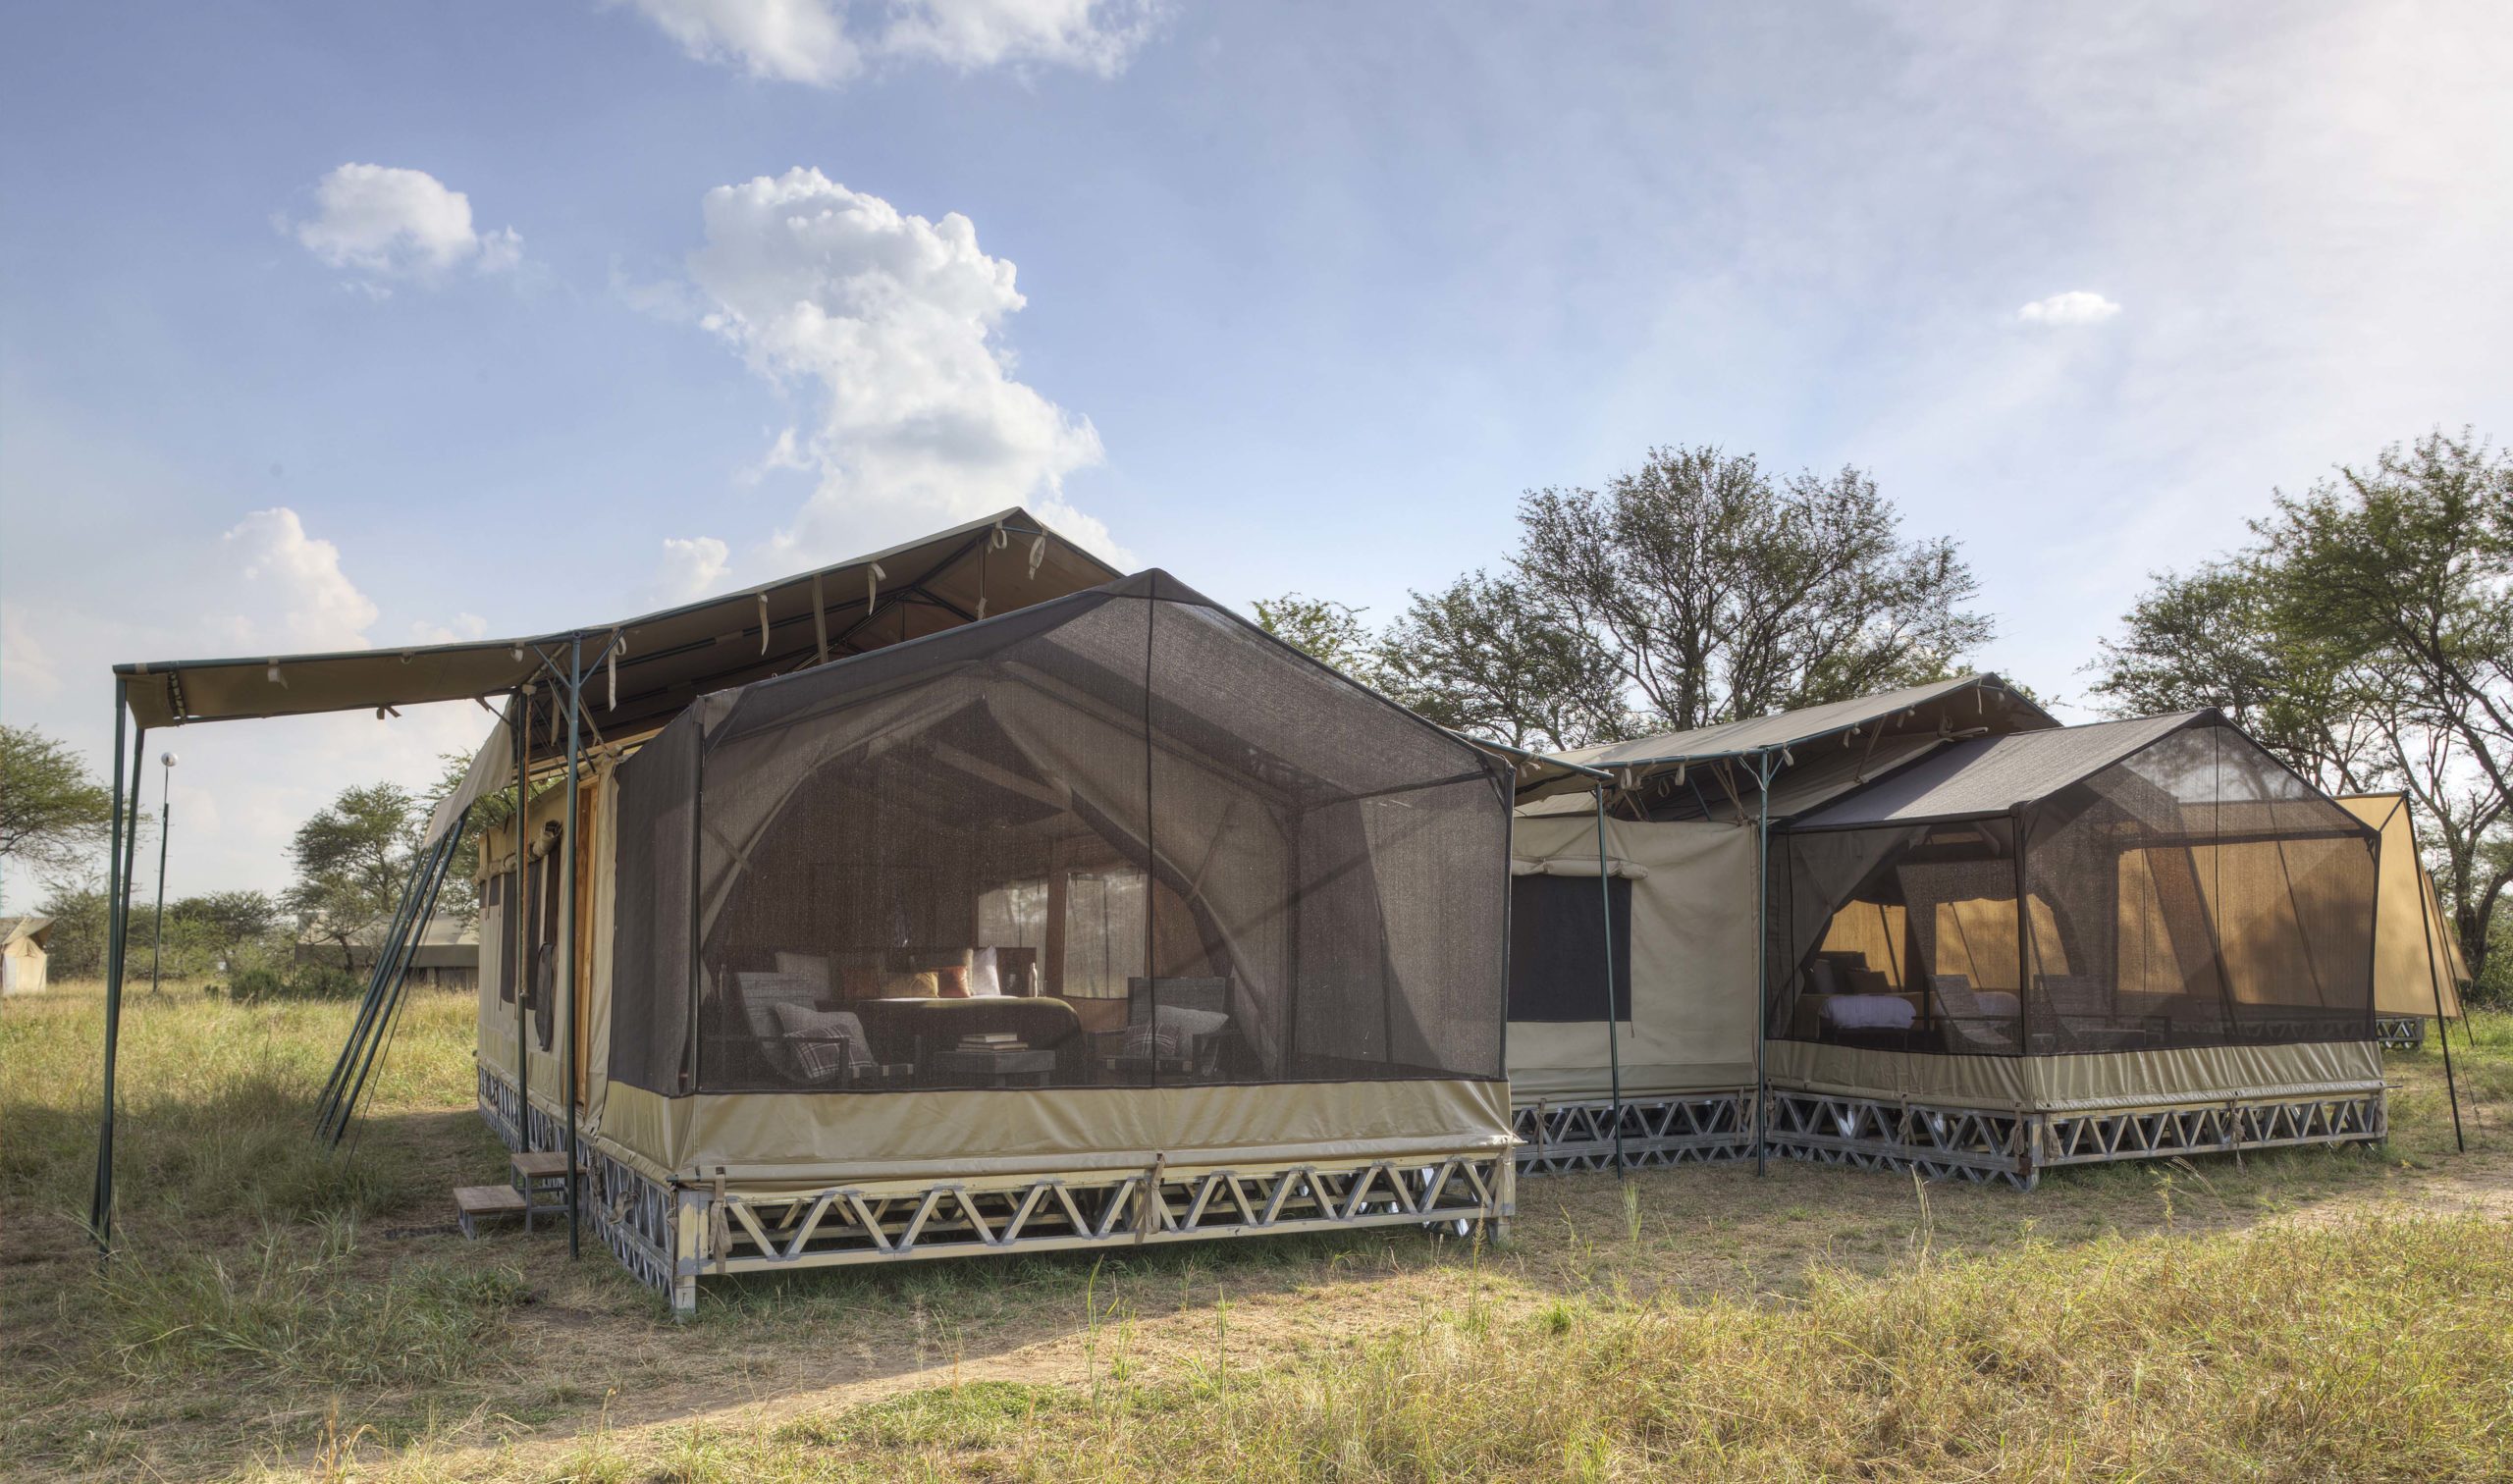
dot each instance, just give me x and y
(2309, 1314)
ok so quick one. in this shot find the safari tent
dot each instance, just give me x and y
(960, 898)
(2121, 940)
(1109, 921)
(25, 957)
(2418, 969)
(1676, 823)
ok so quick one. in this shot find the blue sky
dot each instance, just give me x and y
(1278, 298)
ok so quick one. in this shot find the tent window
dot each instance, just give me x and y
(1558, 948)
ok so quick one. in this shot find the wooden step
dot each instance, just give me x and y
(471, 1203)
(541, 1164)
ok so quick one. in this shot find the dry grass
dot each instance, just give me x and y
(2315, 1314)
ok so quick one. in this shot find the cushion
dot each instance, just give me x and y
(917, 985)
(837, 1039)
(952, 982)
(807, 966)
(1820, 979)
(1171, 1031)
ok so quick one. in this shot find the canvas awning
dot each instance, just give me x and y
(1990, 775)
(989, 566)
(1881, 731)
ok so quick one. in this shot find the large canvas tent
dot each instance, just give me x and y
(2115, 940)
(1109, 921)
(1347, 1087)
(1675, 821)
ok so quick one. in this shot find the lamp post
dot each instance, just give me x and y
(165, 818)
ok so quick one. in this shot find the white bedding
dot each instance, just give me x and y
(1870, 1012)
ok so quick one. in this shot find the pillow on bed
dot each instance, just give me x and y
(1870, 1012)
(951, 982)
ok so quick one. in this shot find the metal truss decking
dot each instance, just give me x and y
(1984, 1145)
(668, 1237)
(1561, 1137)
(2400, 1033)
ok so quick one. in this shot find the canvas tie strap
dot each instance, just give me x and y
(1038, 554)
(872, 575)
(820, 618)
(1148, 1197)
(763, 623)
(610, 664)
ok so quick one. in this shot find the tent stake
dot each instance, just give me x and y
(101, 1207)
(1614, 1048)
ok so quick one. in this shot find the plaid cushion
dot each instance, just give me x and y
(1172, 1030)
(835, 1039)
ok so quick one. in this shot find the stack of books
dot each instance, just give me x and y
(993, 1041)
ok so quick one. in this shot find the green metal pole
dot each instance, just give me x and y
(567, 946)
(1762, 958)
(100, 1205)
(1614, 1048)
(165, 824)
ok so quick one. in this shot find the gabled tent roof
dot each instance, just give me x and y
(1990, 775)
(12, 929)
(1788, 728)
(989, 566)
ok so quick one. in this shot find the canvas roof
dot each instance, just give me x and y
(1989, 775)
(12, 928)
(991, 564)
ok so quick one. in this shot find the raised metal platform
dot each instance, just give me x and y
(2400, 1033)
(1563, 1138)
(670, 1236)
(1982, 1145)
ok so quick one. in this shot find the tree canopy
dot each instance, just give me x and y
(2364, 635)
(352, 863)
(54, 814)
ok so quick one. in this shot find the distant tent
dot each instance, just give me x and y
(24, 953)
(2418, 969)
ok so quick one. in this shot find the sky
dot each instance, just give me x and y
(331, 326)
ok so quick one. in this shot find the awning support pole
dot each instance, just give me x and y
(1762, 958)
(519, 928)
(101, 1206)
(567, 949)
(1614, 1047)
(2436, 972)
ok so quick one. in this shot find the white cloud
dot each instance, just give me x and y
(2077, 306)
(830, 41)
(25, 664)
(889, 322)
(290, 593)
(692, 568)
(464, 628)
(389, 223)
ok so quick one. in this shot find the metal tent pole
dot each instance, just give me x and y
(1763, 960)
(566, 990)
(519, 925)
(1614, 1048)
(2434, 974)
(164, 834)
(101, 1206)
(372, 1000)
(380, 1035)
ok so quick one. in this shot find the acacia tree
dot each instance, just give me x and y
(1323, 629)
(353, 864)
(54, 814)
(1719, 592)
(2368, 640)
(1482, 656)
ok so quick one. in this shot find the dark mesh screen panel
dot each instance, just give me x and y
(650, 917)
(2208, 897)
(2194, 893)
(1112, 840)
(1558, 949)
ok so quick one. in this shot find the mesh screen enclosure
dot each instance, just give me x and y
(1118, 840)
(2191, 893)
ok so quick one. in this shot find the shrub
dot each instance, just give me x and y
(304, 982)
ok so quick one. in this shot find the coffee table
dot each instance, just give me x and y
(995, 1069)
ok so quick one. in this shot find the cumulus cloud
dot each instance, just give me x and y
(692, 568)
(2077, 306)
(464, 628)
(389, 223)
(826, 42)
(890, 323)
(288, 589)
